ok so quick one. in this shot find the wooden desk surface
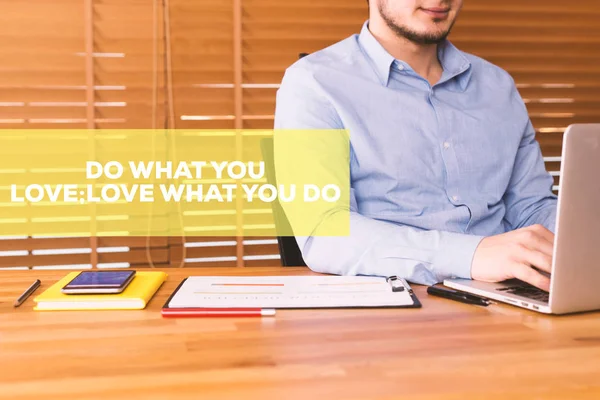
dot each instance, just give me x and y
(444, 350)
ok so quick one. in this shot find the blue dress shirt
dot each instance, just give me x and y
(433, 169)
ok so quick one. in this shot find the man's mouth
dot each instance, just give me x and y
(436, 12)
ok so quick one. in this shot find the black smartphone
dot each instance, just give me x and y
(99, 282)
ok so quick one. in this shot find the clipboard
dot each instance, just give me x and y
(292, 292)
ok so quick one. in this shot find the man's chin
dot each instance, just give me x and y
(427, 38)
(431, 34)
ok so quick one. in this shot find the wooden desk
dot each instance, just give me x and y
(444, 350)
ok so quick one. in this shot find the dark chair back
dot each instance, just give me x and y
(288, 247)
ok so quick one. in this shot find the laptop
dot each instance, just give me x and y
(575, 277)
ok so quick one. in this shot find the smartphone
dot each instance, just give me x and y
(99, 282)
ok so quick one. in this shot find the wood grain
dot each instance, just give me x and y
(444, 350)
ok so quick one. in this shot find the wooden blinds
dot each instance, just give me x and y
(225, 62)
(77, 64)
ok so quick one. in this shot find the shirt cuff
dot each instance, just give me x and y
(455, 255)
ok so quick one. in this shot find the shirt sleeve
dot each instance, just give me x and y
(529, 199)
(373, 247)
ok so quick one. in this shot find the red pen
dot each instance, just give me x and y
(216, 312)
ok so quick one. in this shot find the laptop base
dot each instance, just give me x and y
(498, 292)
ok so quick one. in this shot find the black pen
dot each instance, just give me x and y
(458, 296)
(27, 292)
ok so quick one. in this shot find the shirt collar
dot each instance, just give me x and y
(454, 62)
(380, 59)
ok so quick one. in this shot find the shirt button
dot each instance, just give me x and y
(446, 145)
(400, 67)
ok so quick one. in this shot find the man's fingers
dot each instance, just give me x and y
(543, 232)
(536, 259)
(538, 244)
(531, 276)
(534, 240)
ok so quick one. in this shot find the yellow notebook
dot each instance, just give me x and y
(134, 297)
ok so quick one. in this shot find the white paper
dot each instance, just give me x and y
(287, 292)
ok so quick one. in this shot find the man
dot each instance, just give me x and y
(447, 178)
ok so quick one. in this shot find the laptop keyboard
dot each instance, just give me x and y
(528, 291)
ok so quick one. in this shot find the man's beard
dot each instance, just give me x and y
(415, 37)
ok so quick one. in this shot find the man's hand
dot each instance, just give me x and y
(513, 254)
